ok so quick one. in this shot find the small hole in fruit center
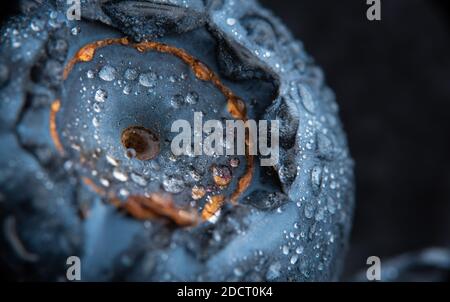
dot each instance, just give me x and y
(140, 142)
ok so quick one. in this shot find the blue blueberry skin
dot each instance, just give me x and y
(292, 224)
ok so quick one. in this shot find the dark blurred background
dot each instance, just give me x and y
(392, 81)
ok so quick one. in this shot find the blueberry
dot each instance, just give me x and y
(86, 125)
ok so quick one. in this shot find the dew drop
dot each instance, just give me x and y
(96, 107)
(147, 79)
(35, 26)
(131, 74)
(316, 177)
(198, 192)
(16, 44)
(75, 31)
(192, 98)
(222, 175)
(333, 185)
(304, 269)
(138, 179)
(234, 162)
(231, 21)
(173, 184)
(195, 175)
(101, 95)
(307, 99)
(320, 266)
(95, 122)
(126, 90)
(119, 175)
(107, 73)
(331, 205)
(274, 271)
(90, 74)
(309, 211)
(177, 101)
(320, 215)
(216, 236)
(54, 23)
(112, 161)
(325, 146)
(130, 153)
(238, 272)
(124, 193)
(294, 259)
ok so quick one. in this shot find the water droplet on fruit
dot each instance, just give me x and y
(216, 235)
(309, 211)
(112, 161)
(119, 175)
(90, 74)
(124, 193)
(95, 122)
(320, 215)
(231, 21)
(331, 205)
(101, 95)
(96, 107)
(177, 101)
(294, 259)
(274, 271)
(126, 89)
(130, 153)
(104, 182)
(147, 79)
(75, 30)
(198, 192)
(333, 185)
(234, 162)
(131, 74)
(173, 184)
(138, 179)
(325, 145)
(238, 272)
(316, 177)
(36, 26)
(107, 73)
(192, 98)
(222, 175)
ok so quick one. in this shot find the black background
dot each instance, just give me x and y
(392, 81)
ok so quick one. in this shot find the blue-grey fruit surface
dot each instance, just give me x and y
(62, 159)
